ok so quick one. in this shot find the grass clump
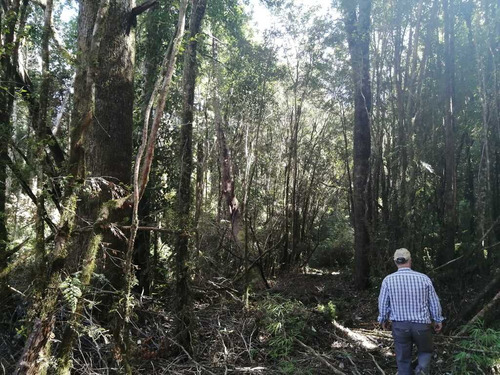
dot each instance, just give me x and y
(283, 321)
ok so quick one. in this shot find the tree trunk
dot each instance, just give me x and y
(8, 65)
(42, 121)
(225, 162)
(357, 26)
(101, 118)
(142, 248)
(183, 296)
(450, 187)
(200, 187)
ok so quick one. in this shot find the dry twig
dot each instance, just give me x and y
(376, 364)
(189, 356)
(320, 357)
(352, 363)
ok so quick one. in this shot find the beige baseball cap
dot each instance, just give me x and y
(402, 255)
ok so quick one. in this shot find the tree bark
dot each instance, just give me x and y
(450, 187)
(101, 117)
(357, 24)
(8, 64)
(225, 162)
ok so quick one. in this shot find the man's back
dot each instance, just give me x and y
(409, 300)
(407, 295)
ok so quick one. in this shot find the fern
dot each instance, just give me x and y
(71, 292)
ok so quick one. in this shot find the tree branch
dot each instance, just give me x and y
(27, 190)
(320, 357)
(132, 21)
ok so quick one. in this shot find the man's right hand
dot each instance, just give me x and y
(385, 325)
(438, 327)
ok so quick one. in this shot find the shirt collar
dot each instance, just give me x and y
(404, 269)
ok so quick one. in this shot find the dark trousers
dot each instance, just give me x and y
(405, 335)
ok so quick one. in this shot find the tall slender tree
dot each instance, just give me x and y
(357, 25)
(183, 305)
(450, 180)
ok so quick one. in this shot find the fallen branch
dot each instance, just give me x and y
(388, 335)
(19, 261)
(152, 229)
(250, 369)
(481, 314)
(352, 363)
(446, 264)
(378, 334)
(358, 338)
(472, 307)
(189, 356)
(376, 364)
(320, 357)
(343, 329)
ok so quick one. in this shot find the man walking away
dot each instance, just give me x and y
(408, 299)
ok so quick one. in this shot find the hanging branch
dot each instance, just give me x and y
(27, 190)
(132, 22)
(162, 87)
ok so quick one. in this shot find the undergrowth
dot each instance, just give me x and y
(283, 321)
(480, 353)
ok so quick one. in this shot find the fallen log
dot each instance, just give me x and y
(358, 338)
(483, 313)
(472, 307)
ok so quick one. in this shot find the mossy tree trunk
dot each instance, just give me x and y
(103, 151)
(100, 154)
(12, 16)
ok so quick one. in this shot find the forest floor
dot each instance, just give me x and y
(305, 324)
(314, 323)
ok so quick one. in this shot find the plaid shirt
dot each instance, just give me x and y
(407, 295)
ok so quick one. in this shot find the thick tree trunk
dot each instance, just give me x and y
(101, 115)
(357, 25)
(183, 295)
(8, 64)
(101, 146)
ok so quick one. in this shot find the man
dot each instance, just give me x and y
(408, 299)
